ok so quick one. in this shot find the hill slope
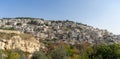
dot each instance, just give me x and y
(59, 31)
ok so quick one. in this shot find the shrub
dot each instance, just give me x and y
(13, 55)
(58, 53)
(38, 55)
(1, 57)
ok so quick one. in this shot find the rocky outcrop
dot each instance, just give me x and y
(16, 42)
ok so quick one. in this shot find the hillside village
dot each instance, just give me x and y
(36, 38)
(66, 31)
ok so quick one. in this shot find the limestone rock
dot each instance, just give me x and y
(16, 42)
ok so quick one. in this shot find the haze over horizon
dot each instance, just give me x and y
(103, 14)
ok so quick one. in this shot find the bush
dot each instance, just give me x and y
(21, 53)
(13, 55)
(38, 55)
(106, 51)
(1, 57)
(59, 53)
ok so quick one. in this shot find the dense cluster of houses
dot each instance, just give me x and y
(67, 31)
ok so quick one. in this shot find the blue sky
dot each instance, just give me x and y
(103, 14)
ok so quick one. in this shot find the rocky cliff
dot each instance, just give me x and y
(16, 40)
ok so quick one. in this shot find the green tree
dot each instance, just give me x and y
(59, 53)
(38, 55)
(103, 51)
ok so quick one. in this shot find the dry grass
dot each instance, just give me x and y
(4, 35)
(7, 35)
